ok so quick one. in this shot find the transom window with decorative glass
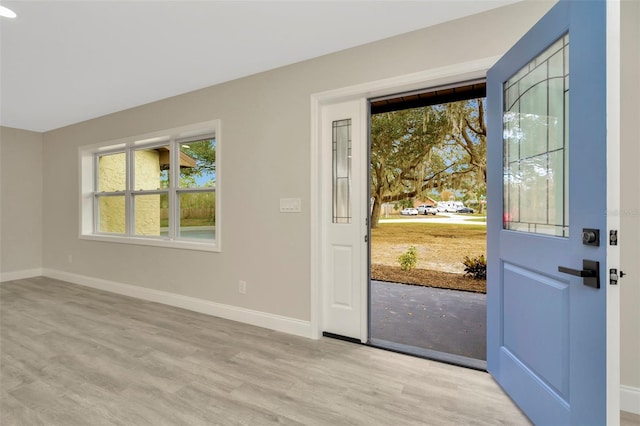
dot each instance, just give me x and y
(159, 190)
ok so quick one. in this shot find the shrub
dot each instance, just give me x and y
(476, 267)
(408, 259)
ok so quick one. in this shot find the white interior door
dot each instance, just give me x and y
(343, 219)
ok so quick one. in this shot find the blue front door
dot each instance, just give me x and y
(546, 328)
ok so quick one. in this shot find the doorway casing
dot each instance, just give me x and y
(454, 74)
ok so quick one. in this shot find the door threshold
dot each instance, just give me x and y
(459, 360)
(341, 337)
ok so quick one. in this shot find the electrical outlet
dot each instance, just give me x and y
(242, 287)
(70, 258)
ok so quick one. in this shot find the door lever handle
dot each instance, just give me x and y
(584, 273)
(590, 272)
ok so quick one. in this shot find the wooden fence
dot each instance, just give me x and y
(190, 213)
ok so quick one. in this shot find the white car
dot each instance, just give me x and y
(425, 209)
(409, 211)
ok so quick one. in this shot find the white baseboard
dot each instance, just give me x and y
(19, 275)
(630, 399)
(261, 319)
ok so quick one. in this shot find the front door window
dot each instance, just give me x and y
(535, 138)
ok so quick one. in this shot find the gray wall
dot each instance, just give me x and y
(20, 202)
(266, 154)
(630, 190)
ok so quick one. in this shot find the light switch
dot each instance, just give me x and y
(290, 205)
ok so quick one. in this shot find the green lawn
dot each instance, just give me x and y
(478, 219)
(423, 232)
(440, 246)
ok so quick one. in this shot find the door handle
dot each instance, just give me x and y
(584, 273)
(590, 272)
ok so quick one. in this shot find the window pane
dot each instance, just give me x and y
(556, 188)
(151, 168)
(533, 179)
(533, 121)
(111, 214)
(197, 215)
(552, 50)
(198, 164)
(342, 171)
(149, 213)
(112, 172)
(556, 113)
(536, 141)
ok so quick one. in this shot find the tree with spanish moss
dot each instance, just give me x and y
(415, 151)
(402, 156)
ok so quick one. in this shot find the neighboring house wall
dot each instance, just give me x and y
(630, 204)
(20, 203)
(147, 176)
(147, 207)
(111, 178)
(427, 202)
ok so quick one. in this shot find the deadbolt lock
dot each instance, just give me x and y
(591, 237)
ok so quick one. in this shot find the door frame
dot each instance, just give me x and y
(454, 74)
(613, 67)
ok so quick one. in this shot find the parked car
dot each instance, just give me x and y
(465, 210)
(425, 209)
(449, 206)
(442, 206)
(409, 211)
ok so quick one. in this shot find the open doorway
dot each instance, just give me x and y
(428, 224)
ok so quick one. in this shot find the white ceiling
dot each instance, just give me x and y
(63, 62)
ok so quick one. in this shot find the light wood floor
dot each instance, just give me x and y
(77, 356)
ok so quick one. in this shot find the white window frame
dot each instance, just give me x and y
(88, 159)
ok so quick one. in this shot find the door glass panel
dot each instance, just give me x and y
(342, 171)
(535, 144)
